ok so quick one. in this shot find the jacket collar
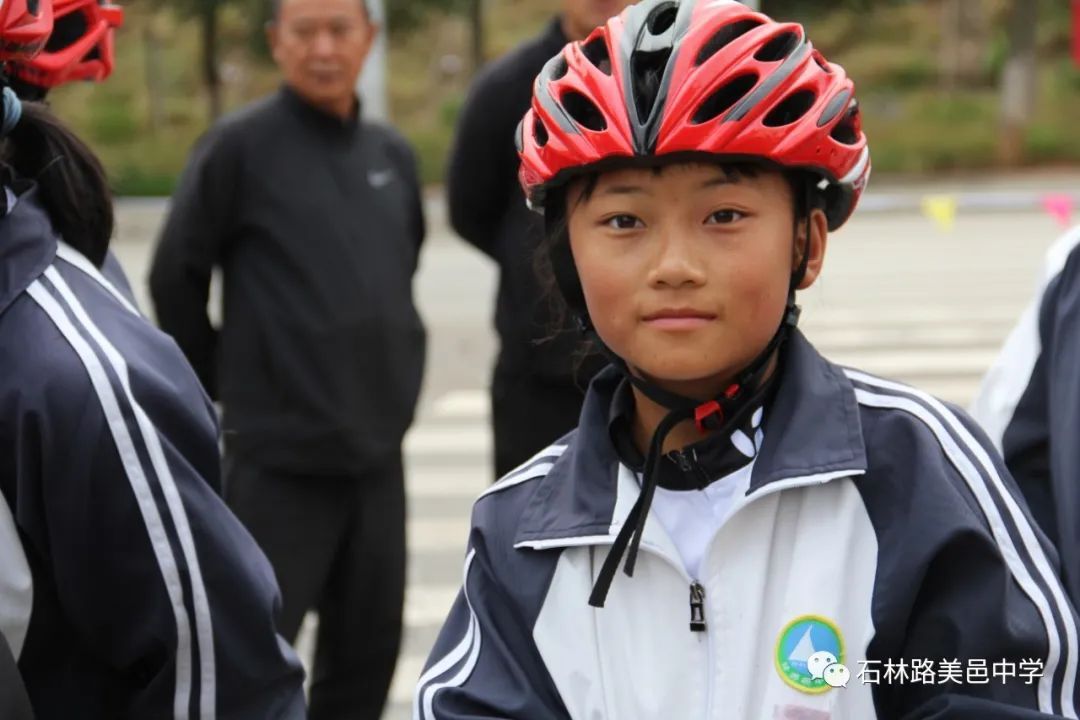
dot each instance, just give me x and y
(27, 242)
(699, 464)
(320, 120)
(814, 435)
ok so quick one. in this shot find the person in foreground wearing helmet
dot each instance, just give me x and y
(789, 530)
(127, 588)
(1029, 403)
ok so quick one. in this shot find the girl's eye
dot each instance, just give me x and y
(623, 222)
(724, 217)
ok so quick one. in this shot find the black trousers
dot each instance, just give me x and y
(528, 414)
(337, 544)
(14, 702)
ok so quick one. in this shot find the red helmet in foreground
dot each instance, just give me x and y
(25, 27)
(81, 46)
(670, 78)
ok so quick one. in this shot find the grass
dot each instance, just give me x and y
(891, 50)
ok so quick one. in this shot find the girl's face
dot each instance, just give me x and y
(686, 271)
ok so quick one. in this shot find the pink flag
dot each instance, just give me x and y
(1060, 206)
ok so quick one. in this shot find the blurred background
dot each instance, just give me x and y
(946, 85)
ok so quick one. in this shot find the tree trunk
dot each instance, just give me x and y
(153, 77)
(963, 43)
(1018, 82)
(476, 20)
(208, 11)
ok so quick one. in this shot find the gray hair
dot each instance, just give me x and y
(275, 10)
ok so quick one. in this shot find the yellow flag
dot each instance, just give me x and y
(941, 209)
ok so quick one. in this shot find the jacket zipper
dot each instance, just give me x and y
(697, 590)
(689, 465)
(697, 607)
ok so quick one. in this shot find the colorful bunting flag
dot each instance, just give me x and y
(941, 209)
(1060, 206)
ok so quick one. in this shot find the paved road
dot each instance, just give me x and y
(898, 297)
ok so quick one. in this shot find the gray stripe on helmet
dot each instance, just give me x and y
(834, 107)
(548, 101)
(761, 91)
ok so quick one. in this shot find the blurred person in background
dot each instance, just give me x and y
(1029, 404)
(539, 378)
(127, 587)
(314, 217)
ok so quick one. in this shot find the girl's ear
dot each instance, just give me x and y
(819, 239)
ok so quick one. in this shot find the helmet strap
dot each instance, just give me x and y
(719, 415)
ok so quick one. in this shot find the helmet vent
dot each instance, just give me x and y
(596, 52)
(724, 97)
(647, 69)
(847, 130)
(583, 111)
(790, 109)
(723, 37)
(778, 48)
(662, 18)
(540, 133)
(559, 67)
(66, 31)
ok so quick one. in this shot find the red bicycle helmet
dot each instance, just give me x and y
(25, 27)
(81, 46)
(731, 83)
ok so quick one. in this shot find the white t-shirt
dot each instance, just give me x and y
(692, 517)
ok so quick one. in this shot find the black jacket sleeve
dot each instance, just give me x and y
(991, 594)
(151, 568)
(502, 675)
(483, 164)
(197, 229)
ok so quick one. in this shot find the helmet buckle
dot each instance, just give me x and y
(708, 416)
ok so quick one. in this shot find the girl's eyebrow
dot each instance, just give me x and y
(626, 190)
(720, 180)
(725, 179)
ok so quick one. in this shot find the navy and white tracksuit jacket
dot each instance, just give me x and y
(1029, 403)
(127, 588)
(873, 513)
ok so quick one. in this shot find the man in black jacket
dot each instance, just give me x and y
(315, 219)
(540, 377)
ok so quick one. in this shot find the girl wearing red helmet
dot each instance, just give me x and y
(127, 588)
(797, 540)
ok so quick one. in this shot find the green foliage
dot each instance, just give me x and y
(890, 48)
(404, 16)
(113, 122)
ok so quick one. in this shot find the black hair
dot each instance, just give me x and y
(275, 10)
(72, 183)
(553, 262)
